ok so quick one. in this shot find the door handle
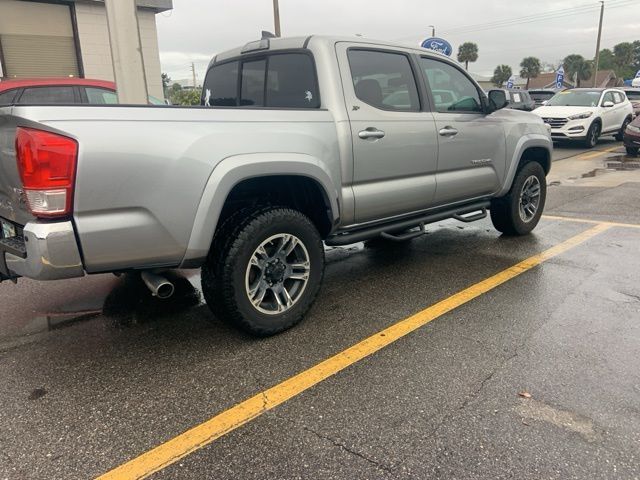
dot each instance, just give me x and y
(371, 132)
(448, 132)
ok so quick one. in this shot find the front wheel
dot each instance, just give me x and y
(593, 134)
(632, 151)
(264, 272)
(519, 211)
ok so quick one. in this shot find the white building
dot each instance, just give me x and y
(60, 38)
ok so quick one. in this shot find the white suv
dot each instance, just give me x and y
(587, 113)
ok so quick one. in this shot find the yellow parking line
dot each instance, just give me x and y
(203, 434)
(594, 222)
(597, 153)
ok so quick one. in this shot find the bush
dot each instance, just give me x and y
(185, 97)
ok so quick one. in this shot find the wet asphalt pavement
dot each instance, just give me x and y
(95, 372)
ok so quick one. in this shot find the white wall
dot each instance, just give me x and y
(96, 51)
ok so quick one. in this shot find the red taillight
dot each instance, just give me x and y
(47, 165)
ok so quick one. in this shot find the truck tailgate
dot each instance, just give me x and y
(12, 205)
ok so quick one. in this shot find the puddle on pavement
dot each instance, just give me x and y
(612, 163)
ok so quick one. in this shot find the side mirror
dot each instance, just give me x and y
(607, 104)
(497, 100)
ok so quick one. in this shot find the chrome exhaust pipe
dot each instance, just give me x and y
(158, 285)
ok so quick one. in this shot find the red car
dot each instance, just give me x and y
(42, 91)
(631, 137)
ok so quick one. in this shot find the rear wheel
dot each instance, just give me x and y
(632, 151)
(593, 134)
(264, 270)
(519, 211)
(625, 124)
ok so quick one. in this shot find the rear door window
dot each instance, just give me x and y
(48, 95)
(291, 82)
(384, 80)
(278, 80)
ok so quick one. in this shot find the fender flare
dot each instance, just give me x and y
(527, 141)
(234, 169)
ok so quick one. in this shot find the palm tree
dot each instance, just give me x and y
(575, 66)
(468, 52)
(623, 54)
(530, 68)
(501, 74)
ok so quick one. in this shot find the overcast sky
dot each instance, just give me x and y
(195, 30)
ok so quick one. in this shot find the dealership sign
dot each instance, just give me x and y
(559, 77)
(439, 45)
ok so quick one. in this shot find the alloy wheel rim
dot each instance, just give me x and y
(594, 135)
(529, 198)
(277, 274)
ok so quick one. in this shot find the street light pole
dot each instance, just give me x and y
(597, 62)
(433, 30)
(276, 17)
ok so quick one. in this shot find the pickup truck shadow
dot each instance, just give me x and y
(131, 302)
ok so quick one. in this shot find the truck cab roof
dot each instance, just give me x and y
(288, 43)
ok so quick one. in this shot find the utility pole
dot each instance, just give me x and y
(126, 51)
(193, 71)
(597, 62)
(276, 17)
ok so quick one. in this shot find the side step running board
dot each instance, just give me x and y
(466, 213)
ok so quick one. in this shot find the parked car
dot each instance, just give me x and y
(631, 137)
(519, 99)
(65, 91)
(633, 94)
(304, 143)
(587, 113)
(541, 95)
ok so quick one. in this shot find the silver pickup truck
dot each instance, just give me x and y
(298, 142)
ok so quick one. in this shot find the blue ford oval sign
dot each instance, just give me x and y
(440, 45)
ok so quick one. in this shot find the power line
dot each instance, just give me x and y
(556, 14)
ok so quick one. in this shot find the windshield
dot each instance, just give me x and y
(575, 98)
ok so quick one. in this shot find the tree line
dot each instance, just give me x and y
(623, 59)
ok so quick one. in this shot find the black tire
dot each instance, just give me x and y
(593, 134)
(505, 211)
(632, 151)
(620, 135)
(224, 273)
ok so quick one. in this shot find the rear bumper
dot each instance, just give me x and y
(50, 252)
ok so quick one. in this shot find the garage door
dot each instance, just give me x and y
(32, 47)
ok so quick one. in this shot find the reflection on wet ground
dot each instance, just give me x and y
(131, 302)
(614, 163)
(123, 301)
